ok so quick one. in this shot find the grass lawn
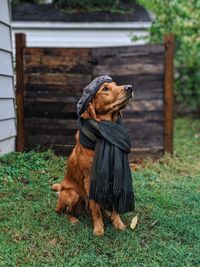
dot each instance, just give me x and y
(168, 207)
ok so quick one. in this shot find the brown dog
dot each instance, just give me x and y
(106, 105)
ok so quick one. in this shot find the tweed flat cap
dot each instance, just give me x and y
(89, 92)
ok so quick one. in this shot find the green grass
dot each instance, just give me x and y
(168, 200)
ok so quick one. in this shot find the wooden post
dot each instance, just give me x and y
(20, 42)
(168, 93)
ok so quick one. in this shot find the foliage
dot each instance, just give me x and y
(27, 1)
(119, 6)
(96, 5)
(181, 17)
(168, 194)
(88, 3)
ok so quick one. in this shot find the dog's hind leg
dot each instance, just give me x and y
(70, 197)
(67, 200)
(60, 205)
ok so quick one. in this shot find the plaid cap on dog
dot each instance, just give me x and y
(90, 91)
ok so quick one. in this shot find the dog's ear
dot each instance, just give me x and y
(90, 112)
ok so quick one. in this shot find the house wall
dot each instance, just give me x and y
(7, 105)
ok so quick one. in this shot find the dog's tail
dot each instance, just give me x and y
(56, 188)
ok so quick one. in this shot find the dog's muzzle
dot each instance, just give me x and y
(129, 91)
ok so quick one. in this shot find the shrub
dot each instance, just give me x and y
(182, 17)
(25, 1)
(97, 5)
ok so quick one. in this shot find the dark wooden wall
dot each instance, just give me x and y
(55, 77)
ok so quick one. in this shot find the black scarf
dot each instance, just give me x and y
(111, 181)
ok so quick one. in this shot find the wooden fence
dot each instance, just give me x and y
(51, 80)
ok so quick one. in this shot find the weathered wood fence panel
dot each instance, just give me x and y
(55, 77)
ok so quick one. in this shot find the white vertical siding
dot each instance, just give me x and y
(4, 12)
(7, 104)
(5, 40)
(6, 90)
(7, 146)
(6, 67)
(7, 110)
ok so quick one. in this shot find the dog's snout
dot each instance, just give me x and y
(128, 88)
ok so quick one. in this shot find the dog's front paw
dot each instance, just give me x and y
(98, 231)
(120, 226)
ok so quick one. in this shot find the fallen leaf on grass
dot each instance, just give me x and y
(16, 237)
(53, 242)
(134, 222)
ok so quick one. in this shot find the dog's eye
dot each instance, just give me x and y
(105, 89)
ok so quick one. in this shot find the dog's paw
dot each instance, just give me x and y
(98, 231)
(73, 220)
(56, 188)
(119, 225)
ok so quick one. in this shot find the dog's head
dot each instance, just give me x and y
(108, 101)
(111, 98)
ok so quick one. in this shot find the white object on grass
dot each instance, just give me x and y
(134, 222)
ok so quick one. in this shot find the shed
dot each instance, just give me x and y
(50, 80)
(7, 105)
(47, 26)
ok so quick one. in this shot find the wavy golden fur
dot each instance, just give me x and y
(74, 188)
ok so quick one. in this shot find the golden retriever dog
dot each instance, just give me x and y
(105, 105)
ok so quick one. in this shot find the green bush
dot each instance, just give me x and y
(90, 5)
(181, 17)
(85, 3)
(27, 1)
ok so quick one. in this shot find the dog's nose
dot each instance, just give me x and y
(128, 88)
